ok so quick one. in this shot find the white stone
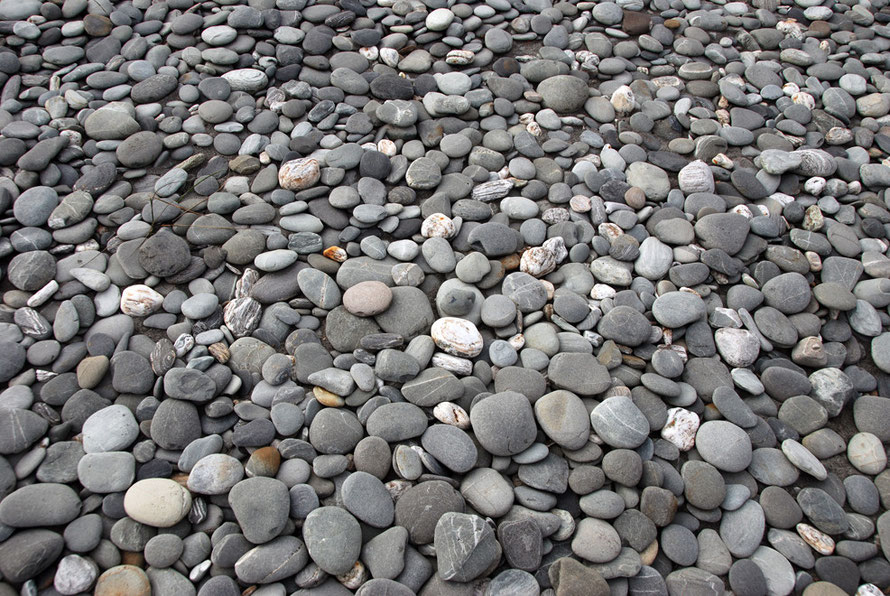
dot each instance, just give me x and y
(439, 19)
(299, 174)
(819, 541)
(815, 185)
(867, 454)
(454, 364)
(246, 79)
(739, 347)
(557, 246)
(458, 337)
(680, 428)
(450, 413)
(537, 261)
(623, 100)
(437, 225)
(75, 575)
(696, 177)
(140, 300)
(157, 502)
(459, 57)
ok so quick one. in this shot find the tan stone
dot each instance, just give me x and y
(157, 502)
(123, 580)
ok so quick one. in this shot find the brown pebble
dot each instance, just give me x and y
(335, 253)
(510, 262)
(819, 29)
(97, 25)
(636, 23)
(265, 461)
(635, 197)
(123, 580)
(367, 298)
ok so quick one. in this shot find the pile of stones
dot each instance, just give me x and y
(444, 298)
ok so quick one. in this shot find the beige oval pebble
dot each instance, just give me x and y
(723, 161)
(450, 413)
(157, 502)
(647, 557)
(298, 174)
(140, 300)
(866, 452)
(123, 580)
(610, 231)
(566, 525)
(397, 488)
(623, 100)
(820, 541)
(517, 341)
(458, 337)
(326, 398)
(367, 298)
(680, 428)
(370, 52)
(387, 147)
(459, 57)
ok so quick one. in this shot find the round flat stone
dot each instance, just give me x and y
(333, 538)
(724, 445)
(563, 417)
(504, 423)
(367, 298)
(367, 499)
(261, 506)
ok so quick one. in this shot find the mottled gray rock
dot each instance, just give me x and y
(465, 546)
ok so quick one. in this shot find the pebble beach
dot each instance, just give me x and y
(444, 298)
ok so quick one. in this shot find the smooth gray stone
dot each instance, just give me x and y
(620, 423)
(333, 538)
(42, 504)
(19, 429)
(366, 498)
(822, 510)
(273, 561)
(385, 553)
(724, 445)
(504, 423)
(451, 446)
(27, 553)
(742, 530)
(261, 506)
